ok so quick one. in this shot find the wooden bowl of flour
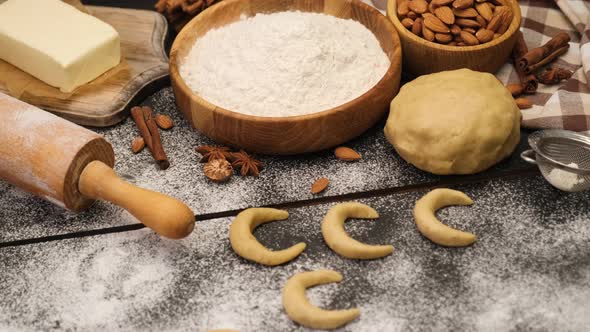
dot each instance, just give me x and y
(291, 134)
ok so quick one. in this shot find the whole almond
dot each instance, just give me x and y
(467, 23)
(455, 29)
(417, 27)
(347, 154)
(408, 22)
(462, 4)
(439, 3)
(484, 35)
(482, 21)
(418, 6)
(453, 43)
(412, 15)
(443, 38)
(431, 7)
(484, 10)
(470, 30)
(516, 89)
(468, 38)
(402, 8)
(445, 14)
(427, 14)
(427, 33)
(465, 13)
(319, 185)
(137, 144)
(435, 24)
(505, 20)
(164, 121)
(494, 23)
(523, 103)
(461, 44)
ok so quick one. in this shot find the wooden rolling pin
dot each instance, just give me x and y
(72, 166)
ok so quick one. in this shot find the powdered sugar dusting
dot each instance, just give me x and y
(284, 179)
(527, 271)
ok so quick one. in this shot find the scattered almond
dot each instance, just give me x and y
(137, 145)
(523, 103)
(319, 185)
(347, 154)
(516, 89)
(164, 121)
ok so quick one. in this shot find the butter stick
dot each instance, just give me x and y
(56, 43)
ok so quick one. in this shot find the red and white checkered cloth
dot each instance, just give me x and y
(566, 105)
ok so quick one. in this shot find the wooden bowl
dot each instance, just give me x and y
(294, 134)
(421, 56)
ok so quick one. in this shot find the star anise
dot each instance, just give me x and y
(245, 163)
(211, 152)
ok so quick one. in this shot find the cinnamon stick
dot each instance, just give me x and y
(148, 129)
(548, 59)
(137, 115)
(538, 54)
(157, 148)
(529, 82)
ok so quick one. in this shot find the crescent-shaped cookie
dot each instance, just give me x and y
(301, 311)
(246, 245)
(431, 227)
(338, 240)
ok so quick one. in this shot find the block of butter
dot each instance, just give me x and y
(56, 43)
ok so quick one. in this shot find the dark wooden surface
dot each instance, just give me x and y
(528, 271)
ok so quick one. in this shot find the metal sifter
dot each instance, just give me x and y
(563, 158)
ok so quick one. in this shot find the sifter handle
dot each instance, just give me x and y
(529, 156)
(167, 216)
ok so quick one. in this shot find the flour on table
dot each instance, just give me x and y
(285, 64)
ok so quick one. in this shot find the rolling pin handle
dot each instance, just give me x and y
(167, 216)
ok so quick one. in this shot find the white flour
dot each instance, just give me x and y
(564, 180)
(285, 64)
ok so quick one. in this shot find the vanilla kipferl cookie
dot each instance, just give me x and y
(431, 227)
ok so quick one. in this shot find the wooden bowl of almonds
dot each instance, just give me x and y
(438, 35)
(280, 129)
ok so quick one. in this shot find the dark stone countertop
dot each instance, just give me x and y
(528, 271)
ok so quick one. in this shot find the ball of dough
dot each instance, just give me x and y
(454, 122)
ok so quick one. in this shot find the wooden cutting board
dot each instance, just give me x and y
(106, 100)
